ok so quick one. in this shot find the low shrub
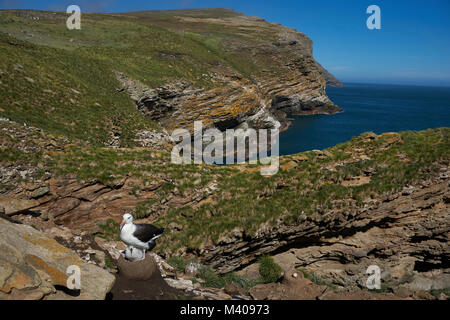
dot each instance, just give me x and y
(269, 270)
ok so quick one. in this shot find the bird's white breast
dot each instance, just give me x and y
(126, 234)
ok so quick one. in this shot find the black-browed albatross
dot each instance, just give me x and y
(139, 236)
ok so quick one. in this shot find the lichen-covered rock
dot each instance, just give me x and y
(33, 266)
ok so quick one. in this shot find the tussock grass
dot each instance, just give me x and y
(269, 270)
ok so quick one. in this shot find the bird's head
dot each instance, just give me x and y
(127, 219)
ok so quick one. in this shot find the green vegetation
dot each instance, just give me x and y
(213, 280)
(108, 263)
(63, 81)
(110, 230)
(317, 279)
(64, 94)
(178, 263)
(209, 278)
(318, 186)
(241, 281)
(384, 288)
(437, 292)
(269, 270)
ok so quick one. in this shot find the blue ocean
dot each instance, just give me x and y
(369, 107)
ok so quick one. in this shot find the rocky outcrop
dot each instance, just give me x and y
(405, 232)
(409, 243)
(240, 104)
(179, 104)
(83, 206)
(34, 266)
(330, 79)
(154, 140)
(12, 206)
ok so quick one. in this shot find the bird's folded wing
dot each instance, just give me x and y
(147, 232)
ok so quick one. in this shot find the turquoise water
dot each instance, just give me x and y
(369, 107)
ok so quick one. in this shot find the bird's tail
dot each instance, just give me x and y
(159, 233)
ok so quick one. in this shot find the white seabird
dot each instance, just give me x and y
(138, 236)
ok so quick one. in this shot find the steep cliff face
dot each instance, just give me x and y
(268, 71)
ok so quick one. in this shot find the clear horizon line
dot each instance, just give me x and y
(396, 84)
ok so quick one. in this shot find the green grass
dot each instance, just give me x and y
(317, 279)
(269, 270)
(212, 280)
(178, 263)
(108, 263)
(65, 93)
(72, 93)
(246, 200)
(68, 87)
(437, 292)
(310, 189)
(110, 230)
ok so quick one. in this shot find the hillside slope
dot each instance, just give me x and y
(382, 199)
(83, 140)
(218, 66)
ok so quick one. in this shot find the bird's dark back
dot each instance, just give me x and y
(146, 232)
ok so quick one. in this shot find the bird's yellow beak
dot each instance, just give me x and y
(122, 224)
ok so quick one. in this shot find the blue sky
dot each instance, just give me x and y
(413, 46)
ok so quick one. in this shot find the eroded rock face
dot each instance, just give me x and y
(33, 266)
(406, 235)
(239, 103)
(80, 204)
(83, 205)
